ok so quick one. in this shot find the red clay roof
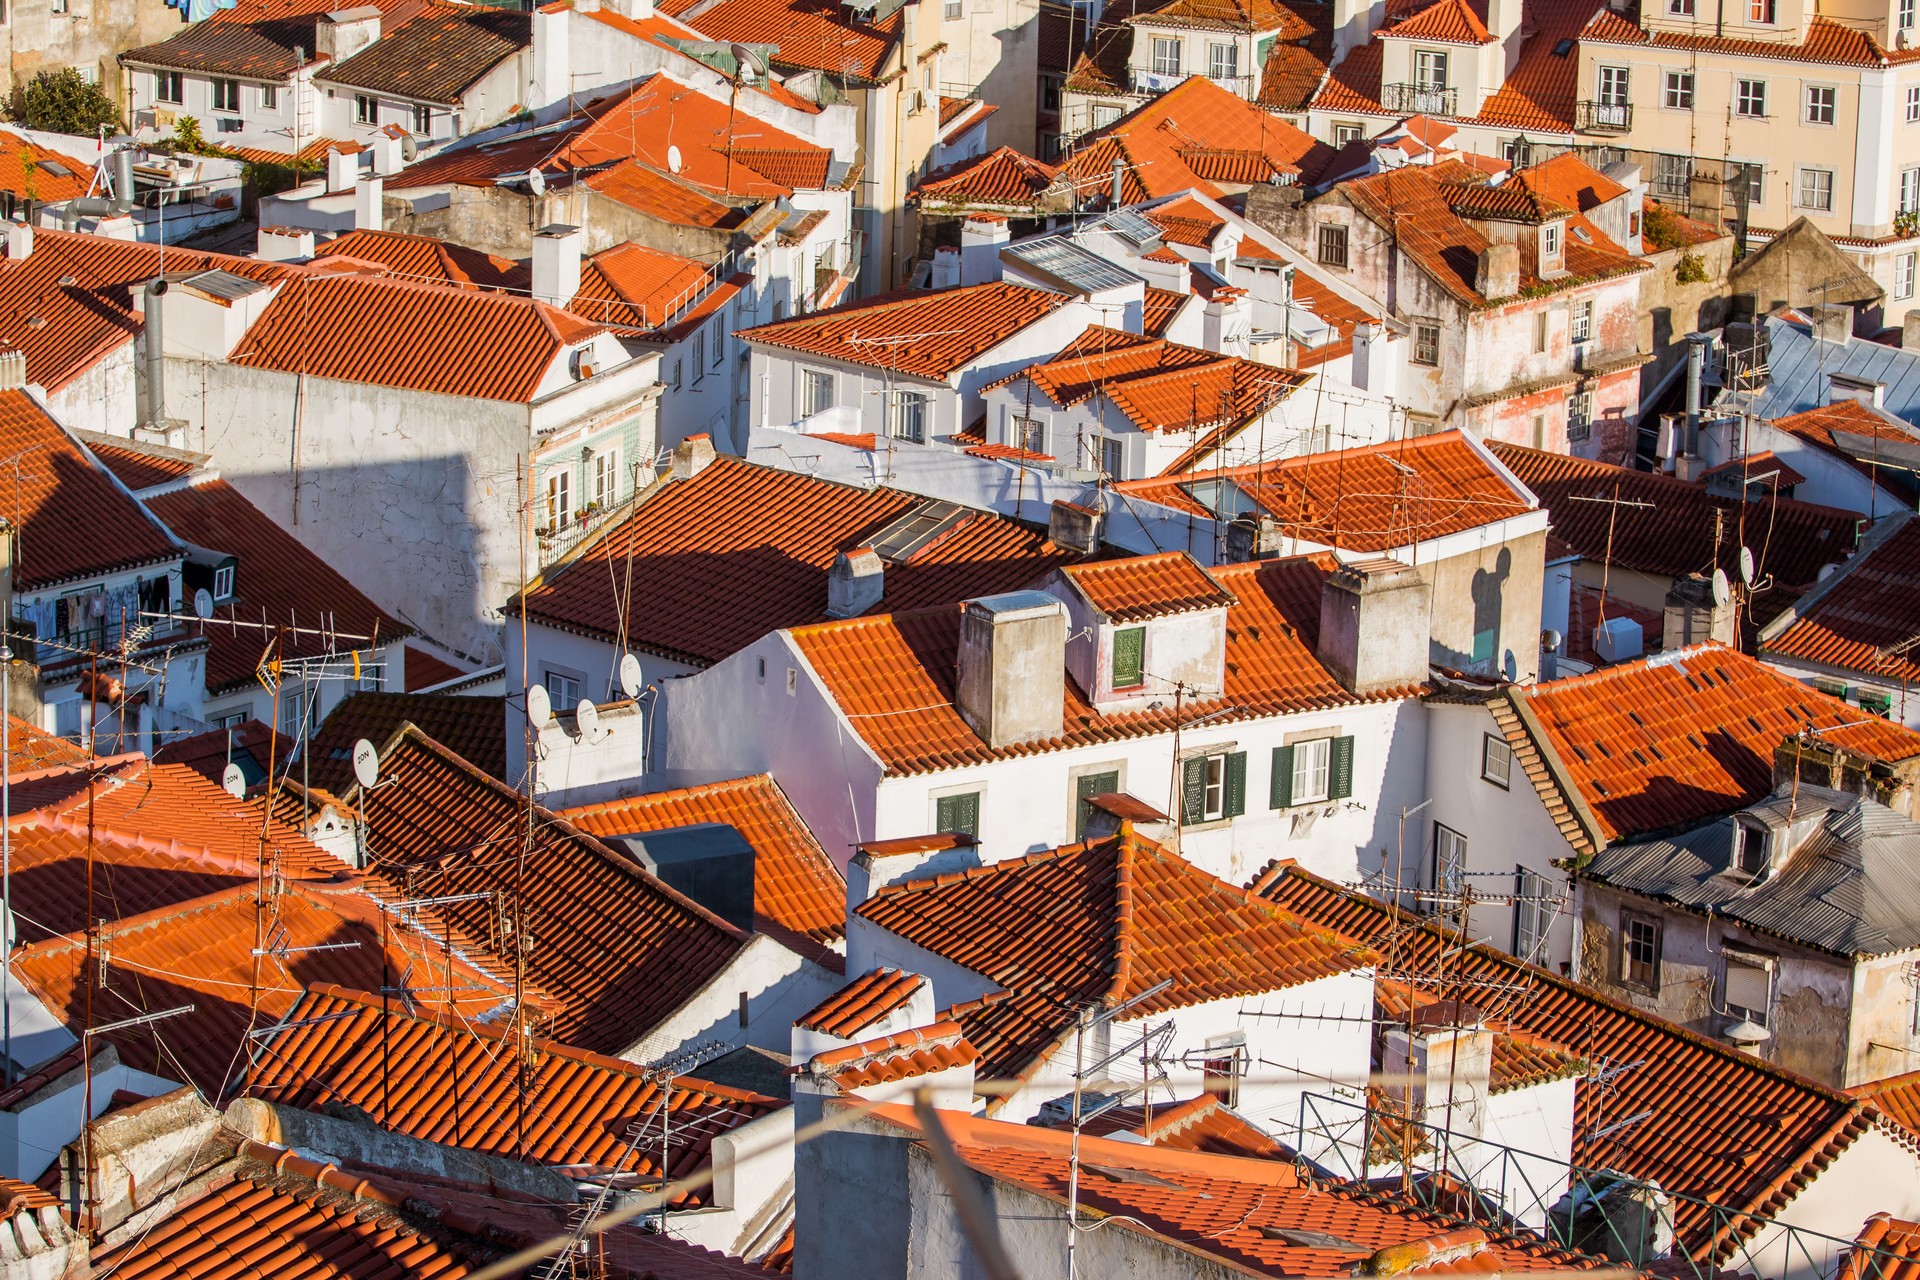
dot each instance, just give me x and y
(903, 1055)
(1886, 1249)
(428, 258)
(1764, 467)
(1354, 499)
(1142, 587)
(1443, 22)
(437, 56)
(1827, 42)
(31, 748)
(425, 670)
(71, 520)
(1002, 178)
(1161, 306)
(472, 726)
(1255, 16)
(662, 196)
(1202, 1123)
(1818, 426)
(1896, 1097)
(633, 287)
(740, 550)
(861, 1003)
(1856, 618)
(965, 324)
(893, 674)
(618, 950)
(256, 748)
(813, 35)
(139, 465)
(1676, 536)
(1661, 743)
(43, 185)
(256, 39)
(277, 579)
(455, 1082)
(796, 886)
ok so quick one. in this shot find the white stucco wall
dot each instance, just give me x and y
(779, 985)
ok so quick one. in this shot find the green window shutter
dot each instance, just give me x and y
(1236, 797)
(1085, 788)
(958, 813)
(1193, 790)
(1129, 657)
(1282, 777)
(1340, 769)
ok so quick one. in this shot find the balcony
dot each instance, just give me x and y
(1603, 117)
(1419, 99)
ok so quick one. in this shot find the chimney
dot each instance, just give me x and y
(345, 32)
(1366, 354)
(550, 60)
(1227, 322)
(880, 863)
(1910, 332)
(1012, 668)
(1817, 762)
(1832, 321)
(1117, 193)
(1252, 536)
(1503, 23)
(139, 1155)
(13, 370)
(19, 241)
(982, 236)
(1698, 345)
(343, 170)
(1353, 22)
(855, 583)
(389, 155)
(1497, 274)
(1073, 526)
(556, 263)
(154, 333)
(945, 273)
(1375, 625)
(691, 456)
(1443, 1062)
(123, 177)
(367, 212)
(283, 244)
(1618, 640)
(1692, 617)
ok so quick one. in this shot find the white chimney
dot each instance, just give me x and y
(1367, 352)
(367, 213)
(880, 863)
(345, 32)
(855, 583)
(389, 154)
(1012, 668)
(946, 268)
(1375, 626)
(556, 263)
(1441, 1065)
(1503, 23)
(343, 170)
(982, 236)
(283, 244)
(1354, 21)
(550, 61)
(691, 456)
(1227, 322)
(19, 241)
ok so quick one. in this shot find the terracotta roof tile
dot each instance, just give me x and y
(903, 1055)
(1291, 77)
(1099, 356)
(1230, 392)
(1886, 1249)
(1263, 17)
(1140, 587)
(1677, 535)
(428, 258)
(1002, 178)
(893, 674)
(1818, 427)
(1870, 608)
(139, 465)
(1161, 306)
(1541, 92)
(580, 1106)
(45, 184)
(967, 323)
(255, 747)
(631, 286)
(1896, 1097)
(638, 187)
(425, 670)
(1827, 42)
(1202, 1124)
(813, 35)
(861, 1003)
(1443, 22)
(740, 550)
(437, 56)
(256, 39)
(29, 748)
(1764, 467)
(796, 886)
(472, 726)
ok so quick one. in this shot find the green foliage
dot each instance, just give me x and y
(187, 138)
(271, 179)
(1906, 223)
(1691, 269)
(62, 102)
(1661, 228)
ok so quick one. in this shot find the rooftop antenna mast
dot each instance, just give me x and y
(1086, 1018)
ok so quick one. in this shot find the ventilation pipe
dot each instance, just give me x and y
(1696, 372)
(156, 356)
(123, 179)
(1118, 197)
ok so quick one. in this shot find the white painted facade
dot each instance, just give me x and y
(777, 987)
(1831, 480)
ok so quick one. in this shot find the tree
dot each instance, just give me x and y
(63, 102)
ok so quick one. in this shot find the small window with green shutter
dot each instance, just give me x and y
(1213, 787)
(1130, 658)
(1087, 786)
(1311, 772)
(1876, 704)
(1282, 787)
(1340, 779)
(960, 814)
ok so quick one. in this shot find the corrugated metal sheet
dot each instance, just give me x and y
(1799, 366)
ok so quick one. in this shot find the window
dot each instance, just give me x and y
(1496, 761)
(231, 720)
(1104, 115)
(1130, 658)
(1749, 849)
(1640, 952)
(559, 497)
(605, 472)
(1518, 153)
(168, 87)
(817, 393)
(1030, 434)
(293, 712)
(423, 121)
(1910, 191)
(1680, 8)
(1312, 772)
(1820, 103)
(699, 357)
(364, 109)
(951, 11)
(675, 384)
(1613, 86)
(223, 582)
(1579, 416)
(1905, 20)
(1580, 326)
(1539, 332)
(1449, 859)
(1532, 913)
(226, 95)
(1672, 176)
(1815, 190)
(1221, 1068)
(1748, 987)
(1750, 98)
(1913, 103)
(1760, 11)
(1550, 240)
(1223, 61)
(1426, 344)
(1213, 787)
(1346, 132)
(269, 97)
(1333, 246)
(1166, 56)
(958, 814)
(1050, 87)
(1112, 458)
(1430, 69)
(563, 690)
(1085, 788)
(1680, 90)
(909, 417)
(720, 334)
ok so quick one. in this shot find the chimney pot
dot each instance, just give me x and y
(691, 456)
(855, 583)
(13, 370)
(1375, 626)
(556, 264)
(19, 241)
(1073, 526)
(1012, 670)
(1497, 274)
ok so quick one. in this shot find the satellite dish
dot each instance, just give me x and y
(203, 603)
(630, 676)
(1511, 667)
(674, 162)
(1721, 591)
(539, 707)
(1746, 565)
(409, 149)
(234, 781)
(752, 57)
(366, 763)
(587, 717)
(536, 182)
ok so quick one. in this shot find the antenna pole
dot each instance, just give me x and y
(6, 861)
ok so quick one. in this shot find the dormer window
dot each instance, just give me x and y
(1749, 849)
(1550, 240)
(223, 583)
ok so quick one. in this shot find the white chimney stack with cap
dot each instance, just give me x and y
(283, 244)
(1012, 667)
(982, 236)
(556, 263)
(19, 241)
(367, 212)
(343, 170)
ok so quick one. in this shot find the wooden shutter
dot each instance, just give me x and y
(1340, 769)
(1282, 778)
(1129, 657)
(1235, 800)
(1193, 790)
(1085, 788)
(958, 813)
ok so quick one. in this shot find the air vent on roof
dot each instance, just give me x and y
(1562, 49)
(910, 534)
(1312, 1239)
(1138, 1176)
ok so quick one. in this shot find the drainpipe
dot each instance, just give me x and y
(156, 357)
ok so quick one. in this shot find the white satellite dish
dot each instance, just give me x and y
(1746, 565)
(203, 603)
(674, 162)
(366, 763)
(630, 675)
(536, 182)
(587, 717)
(234, 781)
(1721, 591)
(539, 707)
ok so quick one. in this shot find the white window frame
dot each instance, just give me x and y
(1821, 105)
(1913, 104)
(1750, 98)
(1679, 8)
(1449, 859)
(270, 97)
(563, 688)
(226, 95)
(223, 582)
(1903, 276)
(1213, 792)
(559, 498)
(423, 120)
(162, 81)
(816, 392)
(1028, 433)
(1763, 13)
(1496, 761)
(909, 416)
(1903, 19)
(1430, 70)
(1550, 240)
(1166, 55)
(1223, 60)
(1806, 181)
(952, 11)
(1678, 91)
(1614, 85)
(1580, 322)
(1312, 771)
(1345, 131)
(1532, 916)
(293, 711)
(604, 474)
(1630, 921)
(1426, 354)
(1579, 417)
(1910, 190)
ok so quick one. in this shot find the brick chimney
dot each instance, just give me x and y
(855, 583)
(1012, 667)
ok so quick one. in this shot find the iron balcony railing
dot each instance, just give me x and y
(1603, 117)
(1420, 99)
